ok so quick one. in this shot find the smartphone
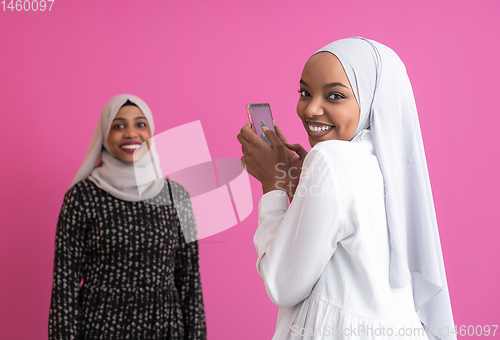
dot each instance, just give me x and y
(259, 116)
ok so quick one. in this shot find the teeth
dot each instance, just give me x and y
(131, 146)
(319, 129)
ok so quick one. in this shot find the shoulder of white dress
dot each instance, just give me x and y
(338, 150)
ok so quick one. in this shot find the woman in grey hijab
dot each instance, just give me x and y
(119, 232)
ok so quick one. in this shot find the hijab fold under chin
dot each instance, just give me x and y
(382, 88)
(127, 181)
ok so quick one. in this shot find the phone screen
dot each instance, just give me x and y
(260, 115)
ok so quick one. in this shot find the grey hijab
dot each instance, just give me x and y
(130, 182)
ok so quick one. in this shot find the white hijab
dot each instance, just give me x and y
(387, 107)
(129, 182)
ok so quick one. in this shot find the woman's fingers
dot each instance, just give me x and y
(273, 138)
(298, 149)
(249, 135)
(241, 135)
(280, 134)
(290, 154)
(241, 139)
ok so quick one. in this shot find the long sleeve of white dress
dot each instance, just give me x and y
(295, 247)
(324, 259)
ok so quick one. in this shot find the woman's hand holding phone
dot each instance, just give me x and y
(263, 161)
(278, 166)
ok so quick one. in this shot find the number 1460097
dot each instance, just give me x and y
(27, 5)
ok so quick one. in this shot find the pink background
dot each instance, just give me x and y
(205, 60)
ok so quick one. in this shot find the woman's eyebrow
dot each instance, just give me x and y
(125, 119)
(335, 84)
(327, 85)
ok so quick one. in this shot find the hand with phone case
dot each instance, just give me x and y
(261, 160)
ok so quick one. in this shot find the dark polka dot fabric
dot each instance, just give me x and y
(141, 279)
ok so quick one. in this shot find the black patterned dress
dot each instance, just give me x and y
(141, 279)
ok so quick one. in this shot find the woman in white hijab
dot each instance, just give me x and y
(356, 254)
(119, 233)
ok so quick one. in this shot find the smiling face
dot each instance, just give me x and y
(128, 131)
(327, 106)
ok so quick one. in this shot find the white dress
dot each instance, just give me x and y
(325, 258)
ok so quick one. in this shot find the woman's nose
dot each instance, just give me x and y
(131, 132)
(313, 108)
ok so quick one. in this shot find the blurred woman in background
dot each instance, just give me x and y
(119, 231)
